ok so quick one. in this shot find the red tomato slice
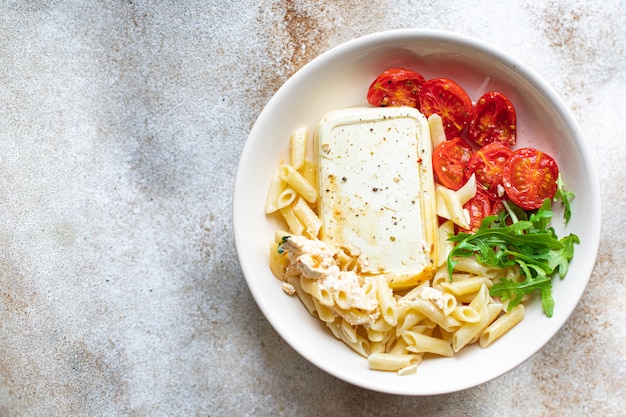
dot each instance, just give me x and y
(487, 164)
(447, 99)
(395, 87)
(493, 119)
(450, 160)
(497, 207)
(478, 207)
(530, 177)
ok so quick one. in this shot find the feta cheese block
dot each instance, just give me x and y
(377, 193)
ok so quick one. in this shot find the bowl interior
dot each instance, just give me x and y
(340, 78)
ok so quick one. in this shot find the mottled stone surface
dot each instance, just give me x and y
(121, 124)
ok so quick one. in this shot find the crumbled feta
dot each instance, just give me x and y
(433, 295)
(288, 288)
(315, 260)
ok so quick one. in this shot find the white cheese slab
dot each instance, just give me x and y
(376, 186)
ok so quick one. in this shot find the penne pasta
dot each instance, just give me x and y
(305, 298)
(407, 321)
(278, 262)
(286, 198)
(298, 147)
(466, 314)
(388, 307)
(466, 333)
(313, 287)
(464, 286)
(277, 185)
(307, 217)
(300, 184)
(324, 313)
(502, 325)
(431, 312)
(390, 362)
(309, 171)
(421, 343)
(450, 203)
(295, 225)
(481, 298)
(437, 133)
(472, 266)
(445, 230)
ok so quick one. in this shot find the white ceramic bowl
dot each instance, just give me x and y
(340, 78)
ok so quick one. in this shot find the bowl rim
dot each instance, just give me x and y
(383, 38)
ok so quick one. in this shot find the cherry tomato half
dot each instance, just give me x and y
(530, 177)
(447, 99)
(450, 160)
(478, 207)
(395, 87)
(497, 207)
(493, 119)
(487, 164)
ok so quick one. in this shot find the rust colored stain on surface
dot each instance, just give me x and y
(580, 37)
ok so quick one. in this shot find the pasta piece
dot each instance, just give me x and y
(466, 314)
(381, 325)
(298, 147)
(375, 335)
(410, 369)
(298, 182)
(334, 327)
(445, 230)
(466, 333)
(278, 262)
(305, 298)
(407, 321)
(388, 307)
(342, 299)
(464, 286)
(294, 224)
(449, 303)
(397, 346)
(391, 362)
(353, 316)
(314, 288)
(435, 315)
(348, 331)
(345, 261)
(277, 185)
(279, 235)
(481, 299)
(502, 325)
(377, 347)
(414, 292)
(437, 133)
(441, 276)
(361, 345)
(286, 198)
(417, 342)
(450, 203)
(307, 217)
(309, 171)
(493, 311)
(472, 266)
(323, 312)
(467, 191)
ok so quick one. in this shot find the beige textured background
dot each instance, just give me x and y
(121, 125)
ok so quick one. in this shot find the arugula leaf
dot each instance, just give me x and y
(565, 197)
(518, 238)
